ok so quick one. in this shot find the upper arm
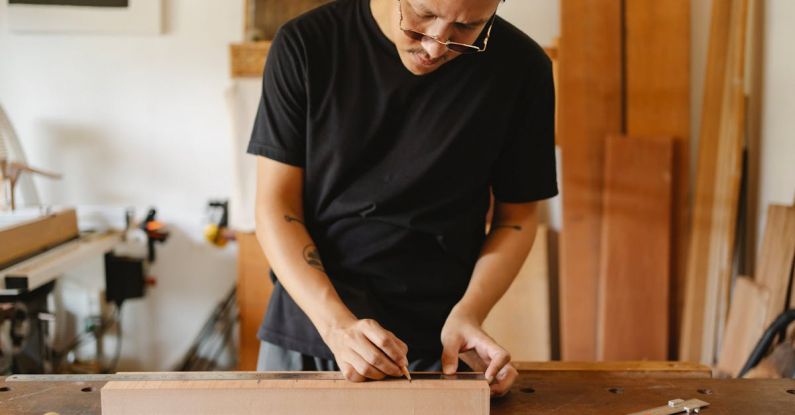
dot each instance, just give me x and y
(279, 184)
(515, 212)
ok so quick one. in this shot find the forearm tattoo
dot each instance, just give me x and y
(290, 219)
(500, 225)
(312, 257)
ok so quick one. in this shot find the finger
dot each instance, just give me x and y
(503, 382)
(376, 358)
(473, 360)
(387, 343)
(499, 358)
(450, 357)
(364, 368)
(350, 373)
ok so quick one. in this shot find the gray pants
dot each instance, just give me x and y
(273, 358)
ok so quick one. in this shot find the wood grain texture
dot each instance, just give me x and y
(247, 60)
(254, 289)
(717, 184)
(519, 322)
(270, 15)
(27, 238)
(747, 321)
(657, 101)
(657, 369)
(549, 392)
(590, 108)
(292, 396)
(775, 259)
(636, 246)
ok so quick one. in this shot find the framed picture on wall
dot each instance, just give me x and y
(142, 17)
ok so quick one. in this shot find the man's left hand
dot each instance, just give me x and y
(463, 334)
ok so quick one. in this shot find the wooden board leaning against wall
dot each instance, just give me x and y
(634, 278)
(717, 184)
(623, 69)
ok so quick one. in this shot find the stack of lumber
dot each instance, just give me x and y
(757, 302)
(623, 71)
(717, 191)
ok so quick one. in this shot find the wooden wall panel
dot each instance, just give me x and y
(253, 293)
(657, 50)
(590, 108)
(520, 321)
(717, 184)
(636, 247)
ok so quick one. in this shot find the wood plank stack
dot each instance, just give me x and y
(632, 82)
(756, 303)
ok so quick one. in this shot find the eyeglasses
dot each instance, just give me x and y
(454, 46)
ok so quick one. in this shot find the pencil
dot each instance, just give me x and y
(405, 371)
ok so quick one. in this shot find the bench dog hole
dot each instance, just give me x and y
(617, 391)
(4, 389)
(705, 391)
(88, 389)
(527, 390)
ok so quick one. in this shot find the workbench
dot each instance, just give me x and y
(542, 388)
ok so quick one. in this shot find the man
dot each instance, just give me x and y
(384, 127)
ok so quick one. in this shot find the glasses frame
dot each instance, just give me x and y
(465, 48)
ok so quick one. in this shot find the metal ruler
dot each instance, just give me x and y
(676, 406)
(197, 376)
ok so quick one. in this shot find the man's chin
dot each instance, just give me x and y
(418, 65)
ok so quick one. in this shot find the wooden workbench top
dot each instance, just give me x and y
(618, 389)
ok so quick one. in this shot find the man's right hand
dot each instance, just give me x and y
(365, 350)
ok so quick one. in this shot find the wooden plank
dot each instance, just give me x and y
(746, 323)
(270, 15)
(254, 289)
(36, 235)
(656, 369)
(774, 265)
(247, 60)
(519, 322)
(52, 263)
(590, 108)
(296, 396)
(636, 247)
(717, 183)
(657, 50)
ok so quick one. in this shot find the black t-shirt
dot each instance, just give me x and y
(398, 167)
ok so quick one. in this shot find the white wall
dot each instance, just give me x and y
(777, 161)
(540, 19)
(140, 121)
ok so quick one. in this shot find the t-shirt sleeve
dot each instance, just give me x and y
(280, 126)
(525, 170)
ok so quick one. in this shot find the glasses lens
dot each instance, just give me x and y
(413, 35)
(462, 48)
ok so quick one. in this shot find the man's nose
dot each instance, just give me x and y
(433, 48)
